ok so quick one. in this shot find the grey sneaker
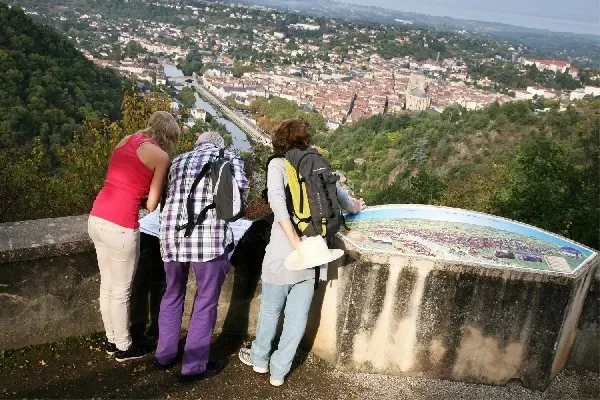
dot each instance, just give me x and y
(275, 382)
(244, 356)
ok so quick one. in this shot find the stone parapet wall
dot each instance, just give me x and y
(393, 316)
(585, 355)
(49, 283)
(403, 315)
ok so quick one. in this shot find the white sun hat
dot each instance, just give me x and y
(311, 252)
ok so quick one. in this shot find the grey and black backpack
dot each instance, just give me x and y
(312, 193)
(228, 200)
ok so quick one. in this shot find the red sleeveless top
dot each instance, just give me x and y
(127, 182)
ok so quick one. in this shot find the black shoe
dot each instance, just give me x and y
(132, 353)
(110, 348)
(212, 369)
(164, 367)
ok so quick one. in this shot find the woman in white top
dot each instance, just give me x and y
(282, 289)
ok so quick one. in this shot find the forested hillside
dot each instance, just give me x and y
(60, 118)
(43, 184)
(508, 160)
(47, 87)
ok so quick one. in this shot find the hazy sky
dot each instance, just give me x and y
(580, 16)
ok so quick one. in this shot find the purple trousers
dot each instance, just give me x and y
(209, 279)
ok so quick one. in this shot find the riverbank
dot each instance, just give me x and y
(254, 132)
(243, 133)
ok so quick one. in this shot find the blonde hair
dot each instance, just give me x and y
(163, 128)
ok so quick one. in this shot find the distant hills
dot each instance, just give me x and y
(585, 49)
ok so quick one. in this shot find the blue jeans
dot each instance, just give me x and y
(296, 299)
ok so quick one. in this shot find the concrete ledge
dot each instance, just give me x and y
(585, 355)
(48, 299)
(405, 315)
(417, 318)
(49, 283)
(43, 238)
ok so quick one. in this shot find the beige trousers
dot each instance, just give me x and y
(118, 250)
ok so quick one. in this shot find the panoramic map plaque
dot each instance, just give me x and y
(464, 236)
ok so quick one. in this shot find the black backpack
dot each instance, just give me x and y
(228, 200)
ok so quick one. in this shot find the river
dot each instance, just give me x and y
(239, 138)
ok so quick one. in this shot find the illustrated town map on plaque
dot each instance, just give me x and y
(460, 235)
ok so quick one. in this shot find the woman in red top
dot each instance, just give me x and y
(136, 175)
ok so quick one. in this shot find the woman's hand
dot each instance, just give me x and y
(296, 241)
(359, 205)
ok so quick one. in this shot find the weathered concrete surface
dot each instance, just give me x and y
(43, 238)
(405, 315)
(393, 316)
(585, 355)
(49, 283)
(47, 299)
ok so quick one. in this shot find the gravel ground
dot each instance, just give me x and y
(78, 368)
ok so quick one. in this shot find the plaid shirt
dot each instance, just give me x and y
(208, 239)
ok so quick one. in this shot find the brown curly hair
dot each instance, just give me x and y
(292, 132)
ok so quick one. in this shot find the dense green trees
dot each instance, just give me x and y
(30, 187)
(48, 87)
(187, 97)
(542, 169)
(133, 49)
(239, 69)
(192, 63)
(513, 76)
(423, 188)
(545, 189)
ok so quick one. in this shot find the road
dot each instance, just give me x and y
(252, 131)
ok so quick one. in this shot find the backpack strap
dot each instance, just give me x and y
(329, 201)
(189, 227)
(301, 180)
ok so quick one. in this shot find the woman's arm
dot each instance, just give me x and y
(290, 232)
(347, 202)
(160, 159)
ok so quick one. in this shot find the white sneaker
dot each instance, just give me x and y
(276, 382)
(244, 356)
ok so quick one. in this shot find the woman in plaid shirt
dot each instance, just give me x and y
(205, 249)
